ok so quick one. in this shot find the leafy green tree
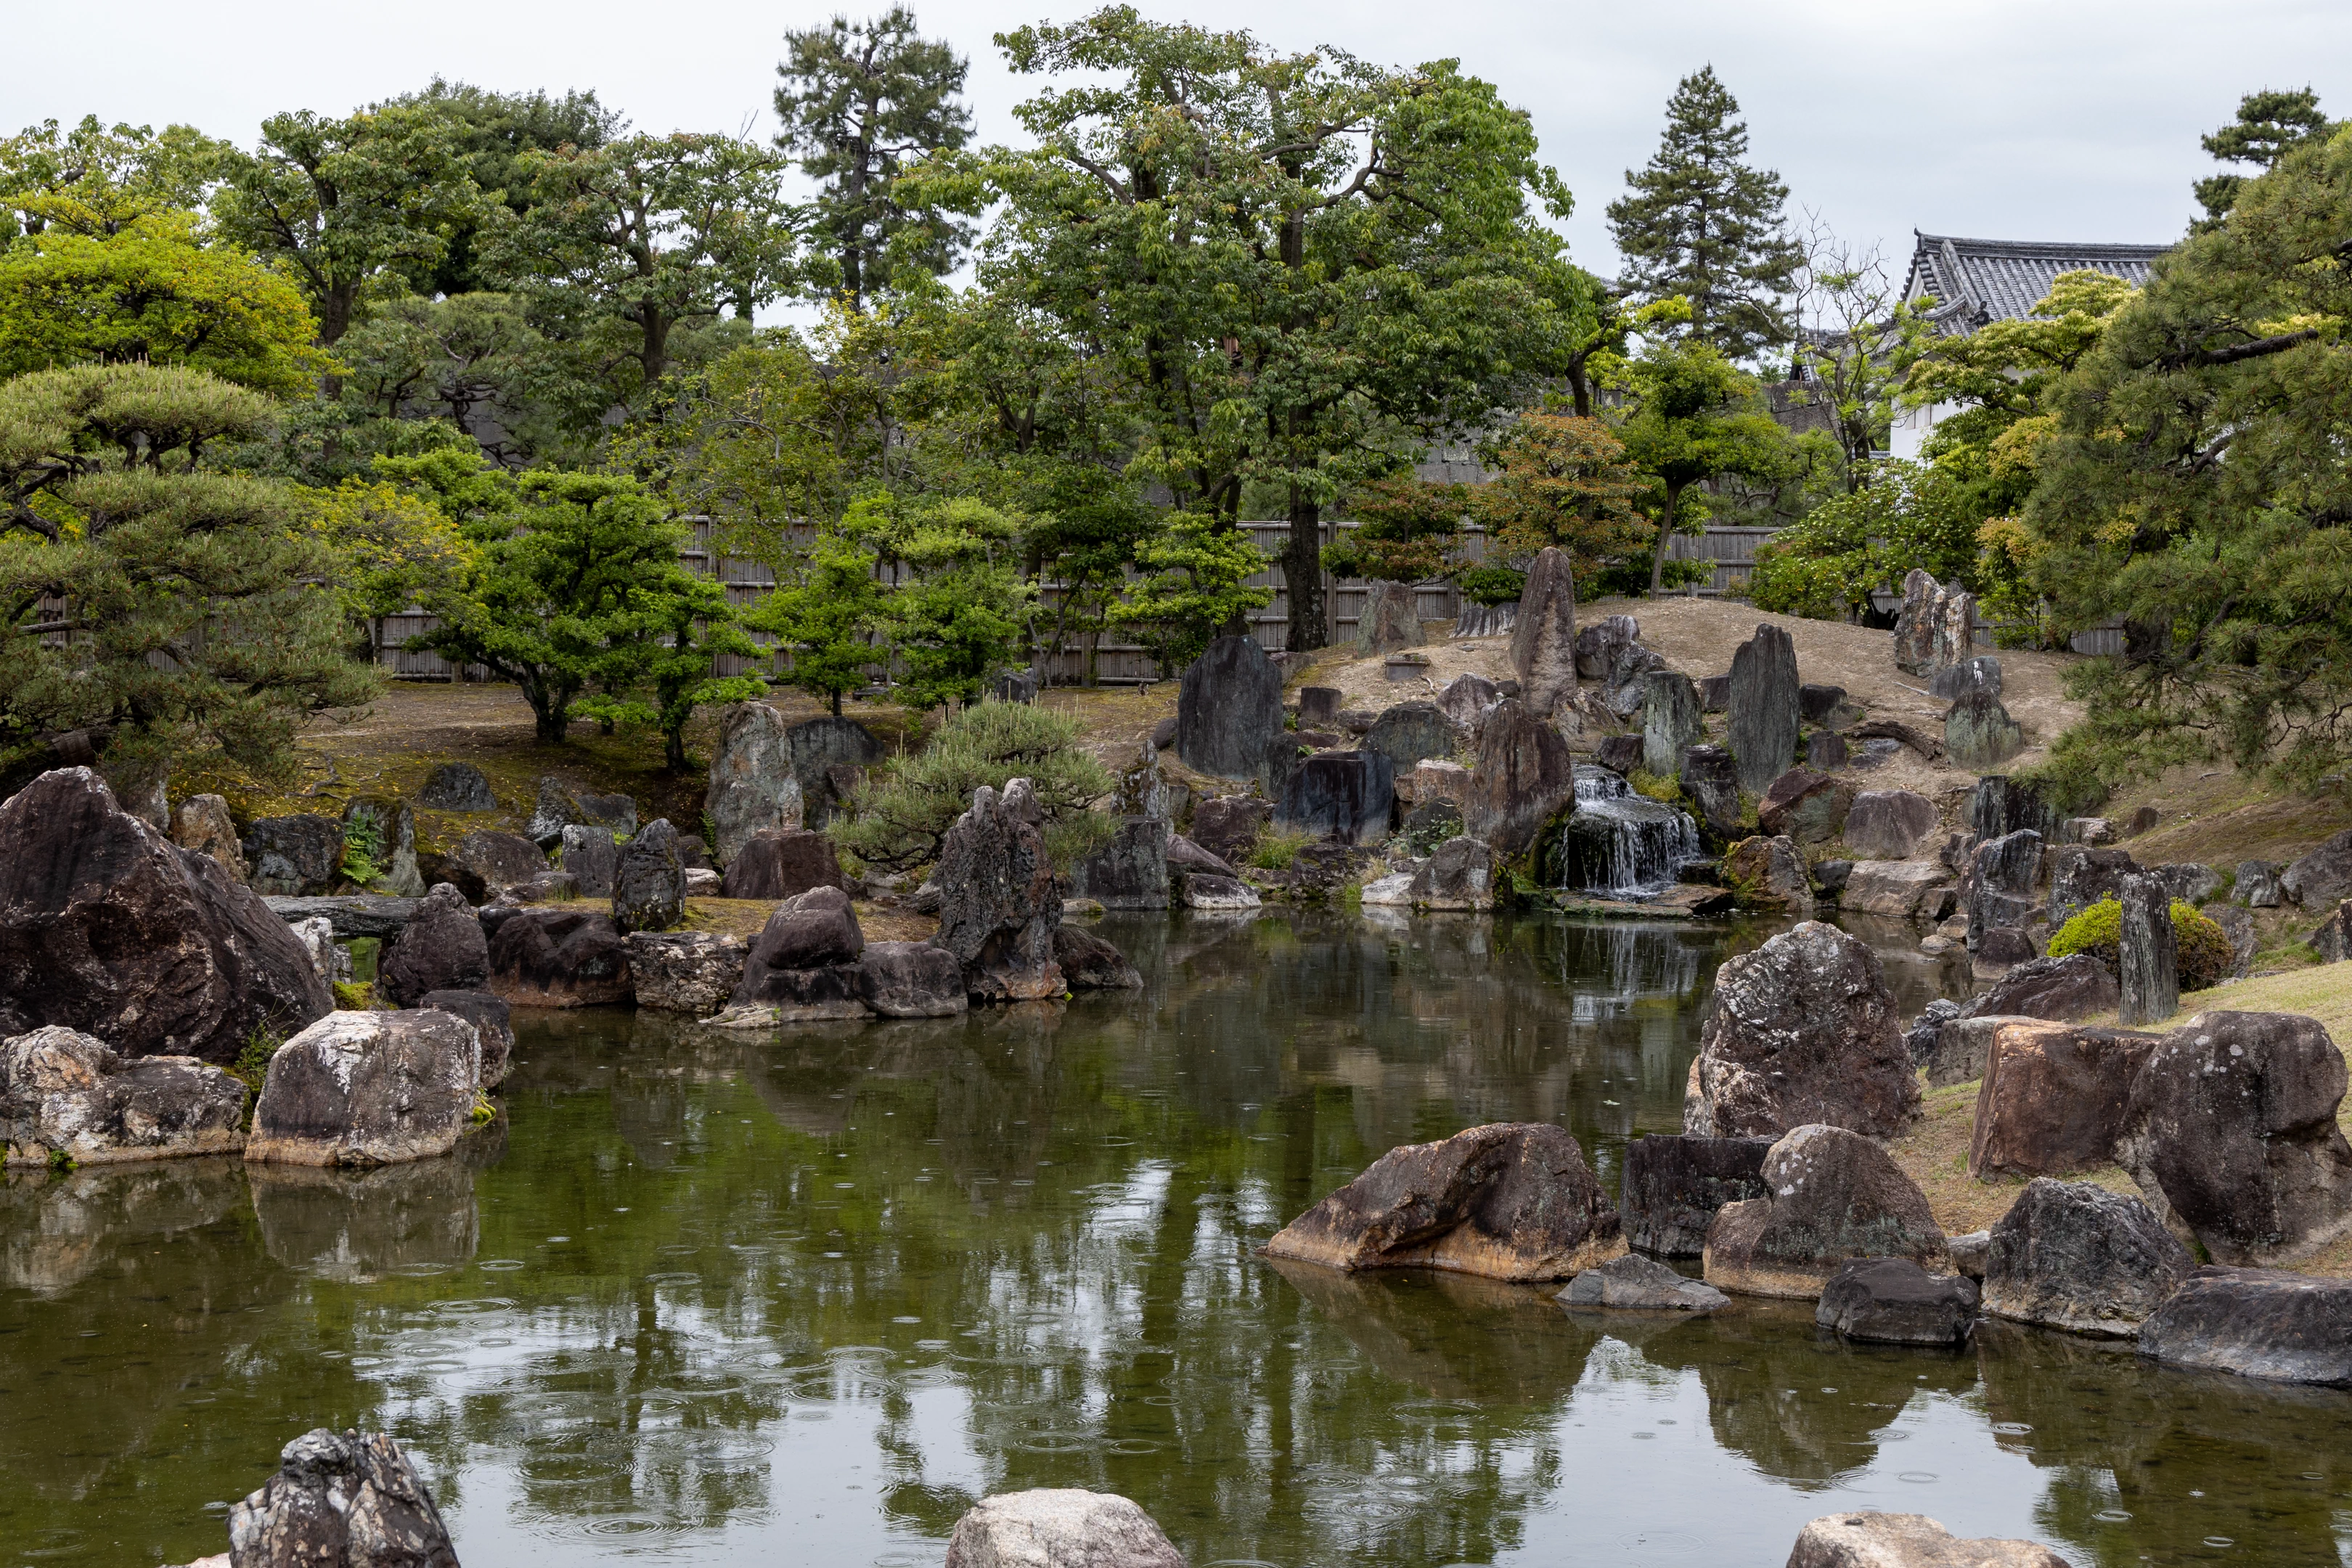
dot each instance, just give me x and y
(1700, 223)
(859, 101)
(1406, 529)
(643, 235)
(476, 361)
(1299, 267)
(1564, 482)
(659, 671)
(574, 597)
(96, 180)
(828, 618)
(1194, 585)
(1697, 417)
(963, 619)
(177, 612)
(2269, 123)
(349, 207)
(2194, 481)
(149, 293)
(1908, 515)
(902, 821)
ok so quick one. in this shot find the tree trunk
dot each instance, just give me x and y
(1302, 571)
(653, 355)
(1665, 536)
(836, 704)
(673, 749)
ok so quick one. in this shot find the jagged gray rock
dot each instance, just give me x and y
(1640, 1285)
(1229, 718)
(347, 1499)
(1804, 1030)
(649, 883)
(1544, 644)
(1671, 721)
(2071, 1255)
(753, 787)
(1764, 708)
(1979, 733)
(457, 787)
(999, 898)
(65, 1095)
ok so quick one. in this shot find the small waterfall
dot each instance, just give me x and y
(1621, 844)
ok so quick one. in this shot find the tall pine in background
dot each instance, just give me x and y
(1700, 223)
(2269, 123)
(859, 102)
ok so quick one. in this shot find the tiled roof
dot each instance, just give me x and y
(1976, 282)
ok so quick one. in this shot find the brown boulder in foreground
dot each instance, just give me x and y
(1834, 1195)
(2053, 1097)
(1512, 1199)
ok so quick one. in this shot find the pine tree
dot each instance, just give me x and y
(859, 101)
(1699, 222)
(2269, 122)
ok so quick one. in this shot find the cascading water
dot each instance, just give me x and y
(1621, 844)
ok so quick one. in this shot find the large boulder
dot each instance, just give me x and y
(2053, 1097)
(457, 787)
(999, 898)
(1409, 731)
(783, 863)
(442, 948)
(502, 860)
(1228, 826)
(1903, 890)
(1890, 824)
(2231, 1136)
(1091, 963)
(1348, 796)
(1464, 703)
(591, 858)
(1805, 807)
(493, 1023)
(1457, 878)
(1894, 1301)
(1544, 643)
(1673, 1185)
(1710, 780)
(1871, 1539)
(1390, 620)
(559, 958)
(203, 826)
(1059, 1527)
(1640, 1285)
(1768, 873)
(830, 755)
(1999, 888)
(1508, 1201)
(63, 1094)
(108, 929)
(1979, 733)
(1523, 776)
(1599, 643)
(1130, 871)
(347, 1499)
(1764, 708)
(385, 832)
(690, 971)
(297, 857)
(2071, 1256)
(753, 788)
(2256, 1322)
(1803, 1030)
(369, 1088)
(2256, 886)
(2067, 990)
(912, 980)
(2322, 879)
(1671, 721)
(650, 884)
(803, 965)
(2082, 875)
(1229, 719)
(1832, 1195)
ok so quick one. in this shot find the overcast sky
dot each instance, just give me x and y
(2055, 119)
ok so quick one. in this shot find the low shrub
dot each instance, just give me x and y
(1667, 790)
(902, 817)
(2203, 955)
(1278, 850)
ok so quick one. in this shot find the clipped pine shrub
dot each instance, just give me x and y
(2203, 957)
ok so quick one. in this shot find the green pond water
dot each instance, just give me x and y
(698, 1299)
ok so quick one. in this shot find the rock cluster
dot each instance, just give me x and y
(559, 958)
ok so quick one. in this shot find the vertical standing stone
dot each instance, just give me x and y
(650, 882)
(1670, 720)
(1979, 733)
(1228, 710)
(2001, 805)
(1956, 625)
(1711, 780)
(1543, 638)
(1914, 628)
(2000, 889)
(2149, 957)
(1390, 620)
(752, 786)
(1764, 708)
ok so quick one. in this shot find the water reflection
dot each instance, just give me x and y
(805, 1297)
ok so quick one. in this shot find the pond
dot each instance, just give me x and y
(803, 1300)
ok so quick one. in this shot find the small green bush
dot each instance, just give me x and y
(2203, 955)
(1276, 850)
(354, 996)
(1668, 790)
(904, 816)
(252, 1064)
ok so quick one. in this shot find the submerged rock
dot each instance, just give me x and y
(1804, 1030)
(1508, 1201)
(1638, 1284)
(2256, 1323)
(347, 1499)
(1058, 1527)
(1893, 1300)
(65, 1094)
(369, 1088)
